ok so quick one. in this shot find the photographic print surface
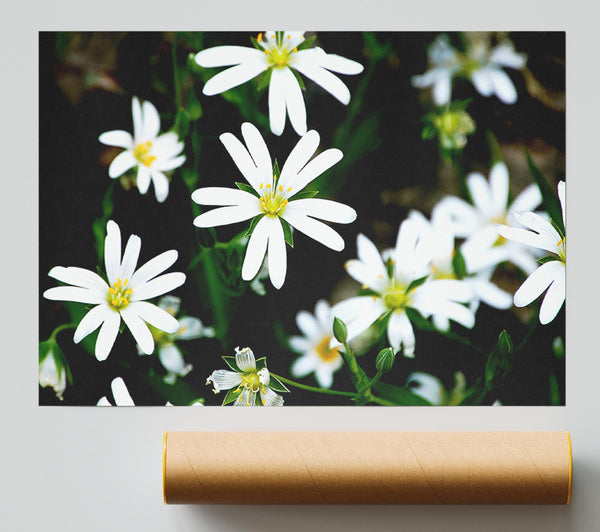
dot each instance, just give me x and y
(272, 218)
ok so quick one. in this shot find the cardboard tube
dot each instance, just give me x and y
(367, 467)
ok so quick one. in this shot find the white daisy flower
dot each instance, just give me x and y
(318, 356)
(274, 200)
(52, 373)
(246, 381)
(438, 230)
(550, 277)
(431, 388)
(398, 283)
(169, 354)
(480, 63)
(280, 58)
(477, 223)
(120, 394)
(152, 153)
(123, 297)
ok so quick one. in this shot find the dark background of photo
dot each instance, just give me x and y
(404, 173)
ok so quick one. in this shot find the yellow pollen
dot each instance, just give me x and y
(288, 36)
(280, 188)
(325, 353)
(561, 241)
(261, 186)
(112, 291)
(289, 189)
(259, 38)
(295, 50)
(268, 186)
(118, 295)
(142, 153)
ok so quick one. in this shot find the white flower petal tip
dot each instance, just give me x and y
(123, 297)
(273, 201)
(147, 150)
(280, 57)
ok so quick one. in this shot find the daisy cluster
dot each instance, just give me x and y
(440, 269)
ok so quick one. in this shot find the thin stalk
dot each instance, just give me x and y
(61, 328)
(313, 388)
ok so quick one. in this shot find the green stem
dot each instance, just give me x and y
(313, 388)
(176, 79)
(375, 379)
(459, 172)
(528, 334)
(61, 328)
(213, 284)
(380, 401)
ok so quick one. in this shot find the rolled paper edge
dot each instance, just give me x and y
(565, 501)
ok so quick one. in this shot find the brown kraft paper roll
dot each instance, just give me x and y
(367, 468)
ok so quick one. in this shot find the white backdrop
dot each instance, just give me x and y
(99, 469)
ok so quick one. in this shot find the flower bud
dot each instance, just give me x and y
(385, 360)
(339, 330)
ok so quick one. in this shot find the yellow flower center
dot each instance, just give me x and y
(396, 297)
(562, 248)
(326, 354)
(251, 381)
(272, 200)
(119, 294)
(278, 54)
(442, 273)
(142, 153)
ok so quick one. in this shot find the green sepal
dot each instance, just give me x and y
(277, 385)
(499, 361)
(256, 44)
(389, 266)
(458, 264)
(298, 79)
(303, 194)
(549, 197)
(368, 292)
(495, 151)
(276, 170)
(306, 43)
(287, 232)
(429, 132)
(416, 283)
(264, 79)
(261, 363)
(247, 188)
(459, 105)
(253, 224)
(231, 363)
(193, 105)
(231, 396)
(548, 258)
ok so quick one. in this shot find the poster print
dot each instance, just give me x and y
(298, 218)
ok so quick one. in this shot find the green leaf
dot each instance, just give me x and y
(458, 264)
(416, 283)
(303, 194)
(182, 123)
(193, 105)
(307, 43)
(231, 396)
(401, 395)
(247, 188)
(499, 362)
(253, 224)
(550, 198)
(230, 361)
(264, 79)
(277, 385)
(287, 232)
(261, 363)
(298, 79)
(429, 132)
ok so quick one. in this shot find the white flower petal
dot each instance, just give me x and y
(158, 286)
(119, 138)
(258, 151)
(322, 162)
(554, 298)
(112, 252)
(314, 229)
(400, 333)
(256, 249)
(107, 335)
(222, 196)
(219, 56)
(120, 393)
(328, 210)
(227, 215)
(299, 344)
(528, 200)
(155, 316)
(190, 328)
(130, 257)
(90, 322)
(241, 158)
(483, 81)
(151, 120)
(270, 398)
(426, 386)
(503, 86)
(79, 277)
(294, 102)
(369, 254)
(537, 282)
(323, 315)
(170, 303)
(442, 89)
(504, 54)
(490, 294)
(276, 253)
(169, 164)
(499, 186)
(138, 328)
(339, 64)
(324, 375)
(234, 76)
(303, 365)
(161, 185)
(307, 324)
(297, 159)
(223, 379)
(244, 358)
(138, 122)
(562, 199)
(307, 63)
(462, 217)
(103, 401)
(121, 163)
(172, 360)
(277, 90)
(143, 179)
(548, 238)
(153, 267)
(76, 294)
(372, 309)
(481, 193)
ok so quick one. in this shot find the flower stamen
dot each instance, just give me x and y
(119, 294)
(142, 153)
